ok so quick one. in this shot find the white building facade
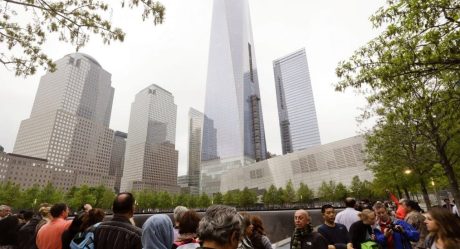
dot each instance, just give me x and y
(338, 161)
(296, 105)
(151, 159)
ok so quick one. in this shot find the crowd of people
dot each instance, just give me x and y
(223, 227)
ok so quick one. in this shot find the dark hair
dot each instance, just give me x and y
(257, 224)
(326, 206)
(57, 209)
(448, 226)
(92, 217)
(27, 215)
(123, 203)
(414, 205)
(246, 222)
(188, 222)
(350, 202)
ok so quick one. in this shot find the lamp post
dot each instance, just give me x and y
(435, 192)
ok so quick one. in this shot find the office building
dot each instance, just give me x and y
(195, 119)
(117, 158)
(233, 128)
(69, 122)
(296, 105)
(151, 159)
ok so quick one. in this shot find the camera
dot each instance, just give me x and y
(394, 227)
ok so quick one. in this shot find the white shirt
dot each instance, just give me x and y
(455, 211)
(347, 217)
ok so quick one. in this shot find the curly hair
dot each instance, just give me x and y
(219, 223)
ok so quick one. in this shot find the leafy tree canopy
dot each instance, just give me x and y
(411, 72)
(25, 25)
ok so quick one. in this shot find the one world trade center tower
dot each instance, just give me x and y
(233, 128)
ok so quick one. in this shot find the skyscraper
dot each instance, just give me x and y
(151, 158)
(69, 121)
(296, 106)
(233, 130)
(117, 158)
(194, 147)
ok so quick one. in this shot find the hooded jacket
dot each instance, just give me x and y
(157, 232)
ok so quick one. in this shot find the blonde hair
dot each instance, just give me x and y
(365, 214)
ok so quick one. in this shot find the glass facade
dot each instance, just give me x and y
(296, 106)
(233, 130)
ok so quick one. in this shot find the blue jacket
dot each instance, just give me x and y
(400, 240)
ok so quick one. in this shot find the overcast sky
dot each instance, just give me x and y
(174, 55)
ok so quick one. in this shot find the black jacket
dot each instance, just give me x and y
(312, 240)
(27, 235)
(9, 231)
(359, 232)
(118, 233)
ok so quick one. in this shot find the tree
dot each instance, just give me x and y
(304, 194)
(204, 201)
(81, 196)
(361, 189)
(144, 199)
(411, 71)
(218, 198)
(341, 192)
(269, 196)
(330, 191)
(289, 193)
(9, 193)
(247, 198)
(25, 25)
(103, 196)
(29, 198)
(395, 146)
(50, 194)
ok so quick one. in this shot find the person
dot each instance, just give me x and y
(400, 211)
(447, 205)
(455, 209)
(45, 214)
(220, 228)
(88, 219)
(187, 238)
(304, 237)
(349, 215)
(362, 231)
(416, 220)
(9, 225)
(393, 233)
(443, 228)
(247, 231)
(259, 238)
(177, 213)
(119, 233)
(157, 232)
(27, 233)
(75, 226)
(336, 234)
(49, 235)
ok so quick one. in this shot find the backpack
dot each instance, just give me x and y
(84, 240)
(369, 245)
